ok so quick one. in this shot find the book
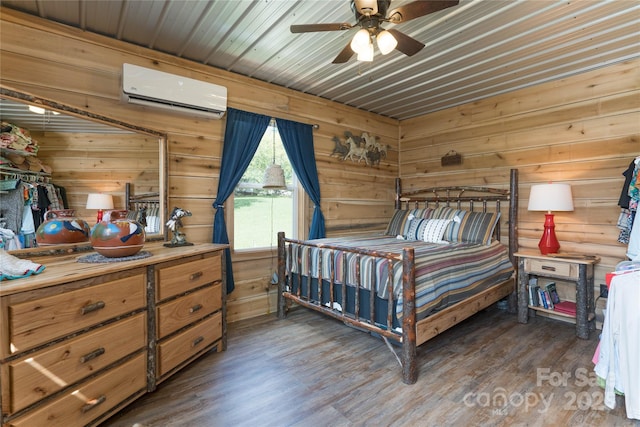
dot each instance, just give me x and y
(533, 292)
(547, 298)
(566, 307)
(553, 293)
(533, 296)
(543, 300)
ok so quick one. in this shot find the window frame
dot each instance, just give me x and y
(300, 218)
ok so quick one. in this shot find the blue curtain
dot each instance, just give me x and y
(242, 137)
(297, 139)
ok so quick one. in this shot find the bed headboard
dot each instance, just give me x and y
(144, 207)
(469, 198)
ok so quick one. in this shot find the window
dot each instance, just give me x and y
(259, 214)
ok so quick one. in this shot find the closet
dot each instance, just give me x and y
(26, 191)
(618, 351)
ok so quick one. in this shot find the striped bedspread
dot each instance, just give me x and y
(445, 274)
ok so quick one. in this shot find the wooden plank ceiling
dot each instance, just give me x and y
(475, 50)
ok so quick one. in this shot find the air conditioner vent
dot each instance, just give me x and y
(153, 88)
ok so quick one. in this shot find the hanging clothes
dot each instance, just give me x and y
(40, 205)
(624, 200)
(628, 202)
(633, 249)
(619, 347)
(28, 229)
(11, 208)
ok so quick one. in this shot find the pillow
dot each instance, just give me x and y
(477, 227)
(427, 230)
(456, 216)
(399, 223)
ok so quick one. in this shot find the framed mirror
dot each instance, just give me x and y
(80, 155)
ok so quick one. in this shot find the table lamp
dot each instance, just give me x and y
(100, 202)
(550, 197)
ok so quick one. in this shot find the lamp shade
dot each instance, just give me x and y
(274, 178)
(550, 197)
(366, 54)
(99, 201)
(360, 41)
(386, 42)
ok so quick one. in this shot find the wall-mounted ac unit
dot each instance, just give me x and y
(157, 89)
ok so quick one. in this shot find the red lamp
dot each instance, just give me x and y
(550, 197)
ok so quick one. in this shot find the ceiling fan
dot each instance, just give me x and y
(370, 14)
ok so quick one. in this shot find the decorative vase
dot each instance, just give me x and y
(116, 236)
(62, 226)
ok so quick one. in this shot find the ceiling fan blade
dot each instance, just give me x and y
(310, 28)
(344, 55)
(407, 45)
(417, 9)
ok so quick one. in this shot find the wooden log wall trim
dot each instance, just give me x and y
(583, 130)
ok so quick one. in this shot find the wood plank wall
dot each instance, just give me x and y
(583, 130)
(82, 70)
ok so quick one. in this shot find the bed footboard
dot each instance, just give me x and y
(360, 305)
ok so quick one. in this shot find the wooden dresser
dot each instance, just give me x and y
(80, 341)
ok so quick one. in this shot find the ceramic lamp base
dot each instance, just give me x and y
(549, 243)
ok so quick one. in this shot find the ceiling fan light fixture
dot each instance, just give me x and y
(361, 41)
(386, 42)
(366, 55)
(369, 16)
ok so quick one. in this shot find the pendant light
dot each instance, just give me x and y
(274, 175)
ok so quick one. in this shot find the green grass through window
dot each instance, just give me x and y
(252, 220)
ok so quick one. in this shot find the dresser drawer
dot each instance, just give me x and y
(180, 312)
(47, 371)
(551, 267)
(37, 321)
(90, 400)
(177, 349)
(180, 278)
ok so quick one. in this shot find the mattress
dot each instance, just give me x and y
(444, 273)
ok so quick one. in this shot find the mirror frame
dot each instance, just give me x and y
(66, 109)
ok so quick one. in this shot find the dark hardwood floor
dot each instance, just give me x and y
(308, 370)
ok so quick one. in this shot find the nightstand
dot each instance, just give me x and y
(571, 268)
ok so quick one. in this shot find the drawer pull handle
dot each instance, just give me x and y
(93, 403)
(89, 308)
(548, 268)
(197, 341)
(92, 355)
(195, 308)
(197, 275)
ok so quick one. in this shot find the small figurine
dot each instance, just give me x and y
(174, 224)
